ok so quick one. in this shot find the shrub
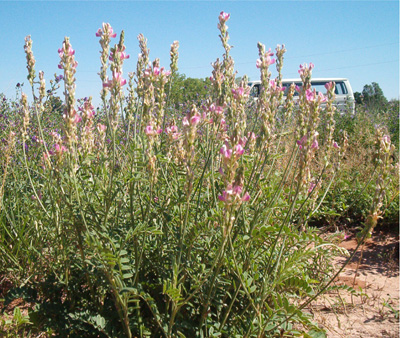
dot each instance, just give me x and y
(145, 220)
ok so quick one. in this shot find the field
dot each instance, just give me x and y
(216, 216)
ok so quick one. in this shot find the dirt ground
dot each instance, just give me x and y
(374, 310)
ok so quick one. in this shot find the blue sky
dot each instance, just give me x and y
(358, 40)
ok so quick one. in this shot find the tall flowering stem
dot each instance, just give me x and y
(115, 85)
(227, 67)
(383, 161)
(269, 93)
(142, 63)
(280, 52)
(330, 124)
(68, 64)
(87, 136)
(105, 33)
(30, 60)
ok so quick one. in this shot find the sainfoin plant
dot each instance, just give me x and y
(141, 220)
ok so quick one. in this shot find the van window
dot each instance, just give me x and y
(341, 89)
(255, 91)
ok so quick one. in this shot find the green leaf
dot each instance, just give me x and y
(127, 275)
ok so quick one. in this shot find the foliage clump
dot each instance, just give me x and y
(148, 218)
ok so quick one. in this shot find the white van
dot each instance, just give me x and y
(344, 94)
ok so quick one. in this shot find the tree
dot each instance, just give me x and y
(372, 96)
(184, 90)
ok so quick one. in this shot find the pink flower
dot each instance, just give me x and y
(106, 27)
(122, 56)
(101, 128)
(310, 95)
(156, 71)
(302, 141)
(194, 120)
(335, 145)
(171, 130)
(311, 188)
(386, 139)
(321, 97)
(267, 62)
(223, 17)
(329, 86)
(60, 149)
(233, 193)
(149, 130)
(314, 145)
(117, 79)
(246, 197)
(239, 150)
(239, 93)
(304, 67)
(226, 153)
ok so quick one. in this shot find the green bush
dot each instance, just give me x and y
(142, 220)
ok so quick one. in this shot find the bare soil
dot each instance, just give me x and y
(373, 311)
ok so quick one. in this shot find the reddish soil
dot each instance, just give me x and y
(374, 310)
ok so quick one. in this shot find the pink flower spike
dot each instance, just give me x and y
(311, 188)
(335, 145)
